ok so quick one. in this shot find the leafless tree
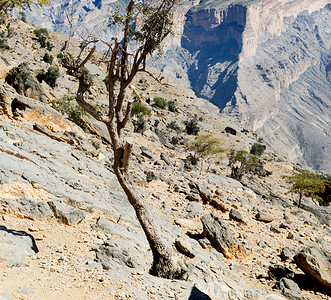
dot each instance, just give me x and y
(154, 25)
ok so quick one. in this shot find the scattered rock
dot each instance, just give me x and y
(220, 235)
(65, 213)
(150, 176)
(236, 215)
(279, 271)
(264, 217)
(184, 246)
(166, 159)
(194, 209)
(145, 152)
(220, 205)
(316, 263)
(32, 209)
(289, 289)
(323, 214)
(287, 254)
(275, 229)
(194, 195)
(123, 252)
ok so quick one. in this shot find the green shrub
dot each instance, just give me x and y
(50, 76)
(67, 105)
(174, 126)
(139, 109)
(241, 162)
(257, 149)
(139, 124)
(42, 37)
(20, 78)
(191, 126)
(172, 106)
(3, 41)
(48, 58)
(324, 198)
(160, 102)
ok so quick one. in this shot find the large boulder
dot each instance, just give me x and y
(221, 236)
(316, 263)
(7, 94)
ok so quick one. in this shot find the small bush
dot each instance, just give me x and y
(48, 58)
(20, 78)
(139, 109)
(3, 42)
(67, 105)
(160, 102)
(43, 36)
(174, 126)
(257, 149)
(191, 126)
(139, 124)
(50, 76)
(172, 106)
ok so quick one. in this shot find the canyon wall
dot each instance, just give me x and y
(267, 63)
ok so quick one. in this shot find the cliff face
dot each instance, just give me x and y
(267, 63)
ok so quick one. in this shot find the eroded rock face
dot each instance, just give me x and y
(316, 263)
(220, 235)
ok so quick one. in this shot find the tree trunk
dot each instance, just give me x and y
(300, 198)
(163, 265)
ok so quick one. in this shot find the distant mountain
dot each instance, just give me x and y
(265, 62)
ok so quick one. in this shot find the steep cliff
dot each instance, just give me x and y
(267, 62)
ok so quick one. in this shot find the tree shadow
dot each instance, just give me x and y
(22, 233)
(196, 294)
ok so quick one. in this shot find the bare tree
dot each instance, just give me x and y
(155, 23)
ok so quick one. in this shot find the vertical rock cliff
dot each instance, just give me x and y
(268, 64)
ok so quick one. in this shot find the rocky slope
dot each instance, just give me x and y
(68, 232)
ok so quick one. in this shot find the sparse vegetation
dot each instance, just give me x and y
(48, 58)
(160, 102)
(257, 149)
(241, 162)
(139, 109)
(172, 106)
(68, 106)
(174, 126)
(6, 7)
(43, 38)
(191, 126)
(206, 148)
(3, 41)
(306, 184)
(20, 78)
(50, 76)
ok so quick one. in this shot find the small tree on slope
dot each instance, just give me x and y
(306, 184)
(155, 23)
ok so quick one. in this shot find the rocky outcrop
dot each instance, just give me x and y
(316, 263)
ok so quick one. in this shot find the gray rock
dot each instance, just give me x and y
(33, 209)
(279, 271)
(264, 217)
(194, 195)
(236, 215)
(7, 94)
(15, 245)
(123, 252)
(145, 152)
(166, 159)
(275, 229)
(194, 209)
(150, 176)
(289, 289)
(66, 213)
(262, 244)
(316, 263)
(287, 254)
(220, 235)
(323, 214)
(184, 246)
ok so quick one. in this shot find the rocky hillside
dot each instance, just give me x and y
(68, 232)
